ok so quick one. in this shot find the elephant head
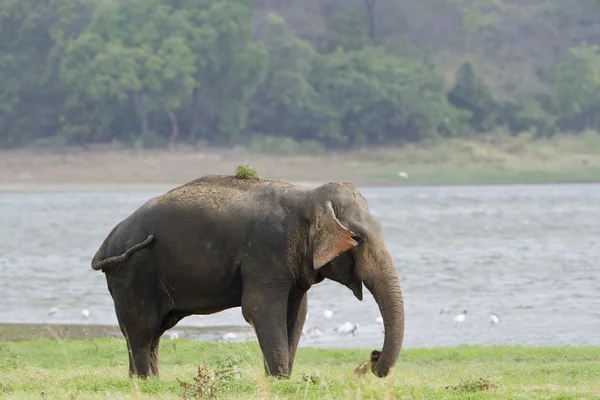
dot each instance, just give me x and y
(346, 244)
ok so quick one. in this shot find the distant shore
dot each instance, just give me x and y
(11, 332)
(101, 187)
(451, 162)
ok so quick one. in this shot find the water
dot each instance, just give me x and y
(528, 253)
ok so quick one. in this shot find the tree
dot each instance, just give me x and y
(370, 11)
(470, 93)
(32, 39)
(286, 104)
(229, 68)
(134, 51)
(380, 98)
(577, 88)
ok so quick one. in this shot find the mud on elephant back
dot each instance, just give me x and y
(227, 241)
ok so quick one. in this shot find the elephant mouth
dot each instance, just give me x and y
(343, 270)
(357, 290)
(355, 284)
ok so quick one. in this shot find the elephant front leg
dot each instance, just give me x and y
(268, 318)
(296, 316)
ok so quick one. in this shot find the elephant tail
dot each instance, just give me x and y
(98, 264)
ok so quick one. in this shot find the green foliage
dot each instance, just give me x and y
(287, 105)
(230, 68)
(346, 33)
(577, 88)
(328, 73)
(530, 115)
(379, 98)
(470, 93)
(246, 172)
(473, 95)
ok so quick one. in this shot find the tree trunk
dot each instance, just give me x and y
(195, 125)
(370, 4)
(140, 99)
(174, 127)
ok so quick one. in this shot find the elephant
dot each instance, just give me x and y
(220, 242)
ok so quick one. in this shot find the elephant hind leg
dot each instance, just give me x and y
(139, 344)
(139, 326)
(169, 321)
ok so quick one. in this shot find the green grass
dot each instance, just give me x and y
(495, 159)
(98, 369)
(487, 175)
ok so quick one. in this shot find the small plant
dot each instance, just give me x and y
(228, 369)
(206, 384)
(311, 378)
(472, 385)
(14, 361)
(246, 172)
(5, 388)
(315, 379)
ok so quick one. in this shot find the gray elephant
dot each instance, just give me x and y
(220, 242)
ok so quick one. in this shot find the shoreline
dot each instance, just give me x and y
(19, 332)
(48, 187)
(448, 163)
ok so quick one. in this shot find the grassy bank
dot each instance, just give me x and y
(98, 369)
(497, 159)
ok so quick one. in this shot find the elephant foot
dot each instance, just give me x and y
(279, 375)
(139, 376)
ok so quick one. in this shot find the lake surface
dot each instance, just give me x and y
(531, 254)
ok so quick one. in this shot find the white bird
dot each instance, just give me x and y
(346, 328)
(173, 335)
(379, 320)
(328, 314)
(229, 336)
(315, 333)
(494, 319)
(53, 311)
(403, 174)
(85, 312)
(460, 318)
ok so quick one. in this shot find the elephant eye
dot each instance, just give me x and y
(358, 239)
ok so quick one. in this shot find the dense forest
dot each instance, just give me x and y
(332, 73)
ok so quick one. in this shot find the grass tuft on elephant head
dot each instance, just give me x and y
(246, 172)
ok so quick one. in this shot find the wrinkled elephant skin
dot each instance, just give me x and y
(220, 242)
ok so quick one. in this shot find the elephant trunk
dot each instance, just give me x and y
(385, 288)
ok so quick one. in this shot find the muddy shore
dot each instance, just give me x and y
(103, 170)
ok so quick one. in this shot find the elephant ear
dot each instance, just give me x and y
(330, 237)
